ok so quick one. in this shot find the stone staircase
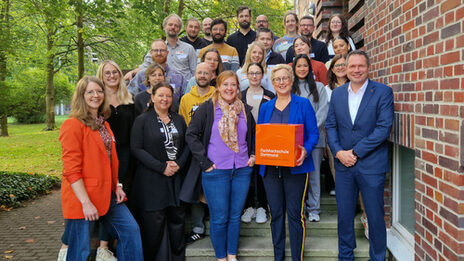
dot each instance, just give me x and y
(255, 242)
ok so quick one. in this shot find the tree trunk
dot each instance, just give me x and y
(80, 41)
(180, 10)
(4, 123)
(4, 45)
(50, 92)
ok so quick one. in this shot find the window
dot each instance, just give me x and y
(401, 235)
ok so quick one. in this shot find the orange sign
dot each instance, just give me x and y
(277, 144)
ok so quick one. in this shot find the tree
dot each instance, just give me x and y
(52, 19)
(4, 49)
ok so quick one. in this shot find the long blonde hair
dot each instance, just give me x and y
(80, 109)
(248, 57)
(122, 94)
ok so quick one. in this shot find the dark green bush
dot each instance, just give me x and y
(16, 187)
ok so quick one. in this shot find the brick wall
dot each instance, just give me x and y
(417, 48)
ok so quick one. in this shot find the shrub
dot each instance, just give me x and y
(28, 94)
(16, 187)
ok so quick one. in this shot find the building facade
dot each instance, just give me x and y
(417, 48)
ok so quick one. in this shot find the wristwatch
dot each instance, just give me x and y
(119, 185)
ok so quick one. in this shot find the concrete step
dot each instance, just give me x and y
(327, 227)
(260, 249)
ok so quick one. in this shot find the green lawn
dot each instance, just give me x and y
(29, 149)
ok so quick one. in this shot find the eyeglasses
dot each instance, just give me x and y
(95, 93)
(254, 74)
(340, 65)
(158, 50)
(281, 80)
(108, 73)
(261, 21)
(336, 22)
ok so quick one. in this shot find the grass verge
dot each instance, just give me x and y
(29, 149)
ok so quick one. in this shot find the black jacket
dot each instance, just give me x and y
(198, 136)
(152, 189)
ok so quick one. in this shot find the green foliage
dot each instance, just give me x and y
(17, 187)
(28, 94)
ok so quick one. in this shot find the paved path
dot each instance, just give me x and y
(32, 232)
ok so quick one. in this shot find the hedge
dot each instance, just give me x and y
(16, 187)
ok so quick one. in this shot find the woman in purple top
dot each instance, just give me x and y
(221, 138)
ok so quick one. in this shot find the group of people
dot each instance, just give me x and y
(181, 134)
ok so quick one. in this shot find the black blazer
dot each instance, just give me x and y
(152, 189)
(263, 100)
(198, 136)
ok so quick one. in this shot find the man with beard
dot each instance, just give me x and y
(229, 54)
(245, 35)
(192, 28)
(206, 26)
(262, 22)
(264, 36)
(159, 52)
(188, 104)
(182, 56)
(318, 49)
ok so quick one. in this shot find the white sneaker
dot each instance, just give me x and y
(313, 217)
(249, 214)
(332, 192)
(261, 216)
(104, 254)
(62, 254)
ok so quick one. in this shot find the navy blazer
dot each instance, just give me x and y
(301, 112)
(370, 131)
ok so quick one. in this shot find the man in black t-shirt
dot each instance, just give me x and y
(193, 29)
(245, 35)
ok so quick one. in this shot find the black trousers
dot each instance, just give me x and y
(285, 194)
(163, 234)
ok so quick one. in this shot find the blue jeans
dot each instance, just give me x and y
(225, 191)
(119, 222)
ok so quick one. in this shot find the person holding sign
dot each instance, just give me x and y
(286, 186)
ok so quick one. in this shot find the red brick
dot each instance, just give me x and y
(451, 190)
(430, 85)
(449, 110)
(448, 5)
(459, 97)
(438, 173)
(408, 26)
(459, 69)
(431, 61)
(450, 58)
(430, 38)
(452, 124)
(452, 152)
(427, 179)
(449, 18)
(459, 13)
(439, 148)
(448, 71)
(430, 157)
(448, 96)
(454, 178)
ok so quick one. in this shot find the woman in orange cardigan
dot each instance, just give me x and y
(90, 190)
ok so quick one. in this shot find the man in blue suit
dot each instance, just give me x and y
(358, 125)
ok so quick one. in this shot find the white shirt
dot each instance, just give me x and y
(354, 99)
